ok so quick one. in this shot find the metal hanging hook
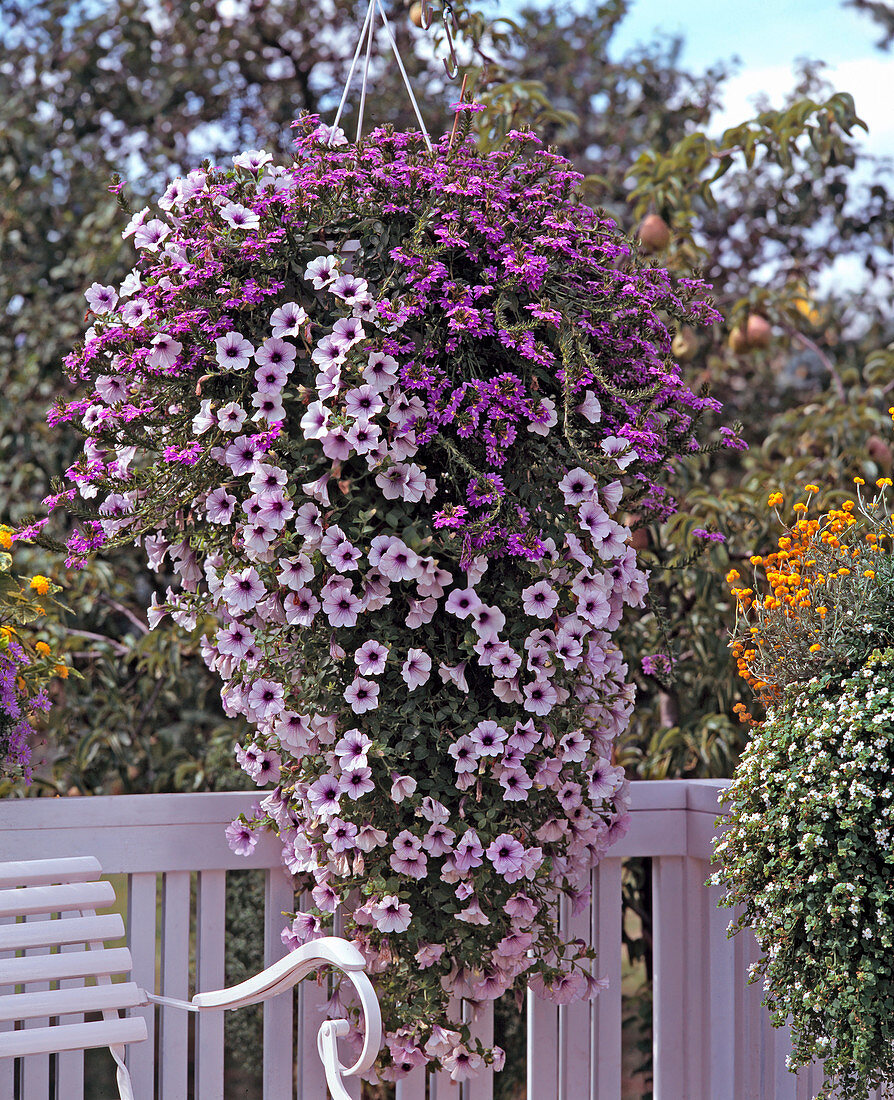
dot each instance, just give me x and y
(428, 15)
(451, 65)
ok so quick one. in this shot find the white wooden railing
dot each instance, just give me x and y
(712, 1038)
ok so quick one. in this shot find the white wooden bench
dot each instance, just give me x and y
(53, 956)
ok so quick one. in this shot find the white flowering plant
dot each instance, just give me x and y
(808, 853)
(381, 409)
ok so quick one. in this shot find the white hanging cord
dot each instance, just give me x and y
(369, 45)
(366, 34)
(344, 94)
(403, 73)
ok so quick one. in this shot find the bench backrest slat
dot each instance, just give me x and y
(52, 933)
(49, 1040)
(73, 964)
(57, 1002)
(56, 899)
(41, 872)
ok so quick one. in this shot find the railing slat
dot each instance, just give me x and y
(278, 1017)
(174, 1041)
(543, 1047)
(7, 1065)
(210, 951)
(697, 1019)
(411, 1087)
(142, 890)
(669, 969)
(575, 1025)
(36, 1069)
(480, 1019)
(606, 916)
(440, 1087)
(70, 1064)
(722, 1000)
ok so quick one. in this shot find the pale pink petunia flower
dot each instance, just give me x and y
(397, 561)
(540, 696)
(402, 786)
(288, 319)
(371, 658)
(341, 607)
(465, 754)
(234, 352)
(314, 423)
(363, 402)
(487, 620)
(362, 695)
(219, 506)
(351, 749)
(507, 855)
(380, 371)
(363, 437)
(358, 782)
(165, 350)
(539, 599)
(252, 159)
(438, 840)
(150, 235)
(589, 408)
(340, 835)
(620, 450)
(265, 700)
(239, 216)
(101, 299)
(350, 289)
(488, 738)
(243, 589)
(427, 955)
(516, 784)
(391, 915)
(468, 852)
(295, 572)
(271, 379)
(346, 332)
(462, 602)
(240, 838)
(577, 486)
(455, 674)
(301, 607)
(322, 271)
(323, 795)
(416, 669)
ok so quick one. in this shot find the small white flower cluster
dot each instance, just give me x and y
(808, 855)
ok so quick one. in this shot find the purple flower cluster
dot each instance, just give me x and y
(379, 412)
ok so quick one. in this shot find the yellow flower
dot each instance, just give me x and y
(869, 573)
(41, 585)
(799, 507)
(859, 481)
(5, 538)
(811, 488)
(883, 481)
(815, 648)
(42, 648)
(61, 671)
(774, 499)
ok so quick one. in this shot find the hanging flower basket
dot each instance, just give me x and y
(381, 409)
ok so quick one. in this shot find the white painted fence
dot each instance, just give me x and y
(712, 1038)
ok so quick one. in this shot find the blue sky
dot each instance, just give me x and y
(762, 34)
(767, 38)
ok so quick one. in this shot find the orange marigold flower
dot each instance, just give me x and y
(61, 671)
(42, 648)
(41, 585)
(815, 648)
(884, 481)
(774, 499)
(799, 507)
(869, 573)
(859, 481)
